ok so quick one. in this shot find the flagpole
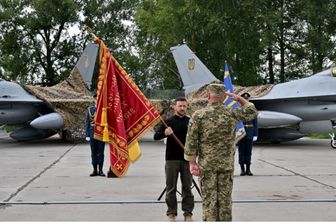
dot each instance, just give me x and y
(173, 135)
(90, 31)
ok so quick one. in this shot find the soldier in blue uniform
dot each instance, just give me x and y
(97, 147)
(245, 144)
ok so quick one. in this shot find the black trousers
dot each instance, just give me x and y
(97, 151)
(245, 150)
(172, 169)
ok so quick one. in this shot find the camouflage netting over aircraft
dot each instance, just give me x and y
(254, 91)
(70, 98)
(198, 99)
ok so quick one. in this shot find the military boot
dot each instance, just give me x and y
(188, 218)
(171, 217)
(242, 172)
(110, 174)
(248, 171)
(94, 173)
(101, 173)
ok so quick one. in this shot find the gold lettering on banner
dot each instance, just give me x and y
(129, 113)
(119, 117)
(113, 101)
(113, 81)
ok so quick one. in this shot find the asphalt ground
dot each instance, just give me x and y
(49, 181)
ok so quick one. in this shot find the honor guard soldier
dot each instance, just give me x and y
(246, 143)
(210, 149)
(97, 147)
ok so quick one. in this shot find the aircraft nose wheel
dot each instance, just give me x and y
(333, 140)
(333, 143)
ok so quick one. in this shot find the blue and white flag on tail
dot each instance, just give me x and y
(240, 131)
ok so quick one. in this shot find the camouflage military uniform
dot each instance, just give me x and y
(211, 134)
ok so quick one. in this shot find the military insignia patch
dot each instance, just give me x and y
(191, 64)
(334, 71)
(86, 61)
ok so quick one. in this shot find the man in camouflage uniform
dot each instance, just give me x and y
(211, 138)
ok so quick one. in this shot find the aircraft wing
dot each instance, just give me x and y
(13, 92)
(318, 86)
(302, 107)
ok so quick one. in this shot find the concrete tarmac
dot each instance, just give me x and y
(49, 181)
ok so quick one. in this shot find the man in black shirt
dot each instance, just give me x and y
(175, 162)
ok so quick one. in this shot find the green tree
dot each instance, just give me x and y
(112, 22)
(36, 36)
(215, 30)
(320, 21)
(159, 25)
(243, 41)
(14, 60)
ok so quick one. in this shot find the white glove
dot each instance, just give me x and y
(255, 138)
(87, 139)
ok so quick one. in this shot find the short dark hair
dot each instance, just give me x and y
(180, 99)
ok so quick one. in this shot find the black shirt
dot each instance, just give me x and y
(179, 126)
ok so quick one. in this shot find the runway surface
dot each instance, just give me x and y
(49, 181)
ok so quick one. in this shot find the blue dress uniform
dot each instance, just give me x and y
(97, 147)
(245, 144)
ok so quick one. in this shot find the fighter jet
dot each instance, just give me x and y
(288, 111)
(34, 118)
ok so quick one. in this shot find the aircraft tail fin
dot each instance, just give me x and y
(86, 63)
(193, 72)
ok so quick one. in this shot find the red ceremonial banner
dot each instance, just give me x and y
(123, 112)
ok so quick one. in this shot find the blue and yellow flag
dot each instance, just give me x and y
(240, 131)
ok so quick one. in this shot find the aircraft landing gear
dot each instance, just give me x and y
(333, 140)
(64, 135)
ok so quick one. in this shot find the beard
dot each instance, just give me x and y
(181, 113)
